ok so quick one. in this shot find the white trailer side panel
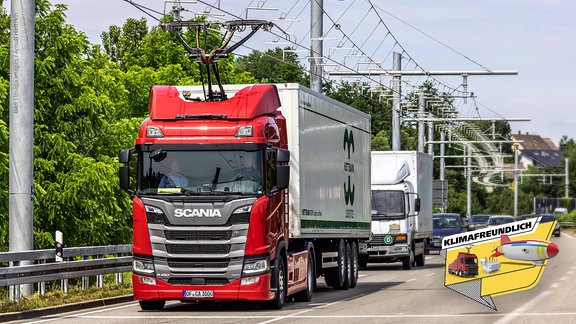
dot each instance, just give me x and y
(330, 165)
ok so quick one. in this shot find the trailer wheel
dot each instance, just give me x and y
(348, 273)
(280, 296)
(336, 277)
(148, 305)
(354, 264)
(363, 262)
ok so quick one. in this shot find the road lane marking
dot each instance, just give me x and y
(430, 274)
(522, 309)
(298, 313)
(52, 318)
(363, 316)
(569, 236)
(409, 280)
(554, 285)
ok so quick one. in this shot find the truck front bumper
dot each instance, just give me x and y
(255, 288)
(388, 251)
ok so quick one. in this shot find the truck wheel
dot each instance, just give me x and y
(407, 262)
(353, 264)
(280, 296)
(306, 295)
(336, 277)
(363, 262)
(148, 305)
(348, 273)
(420, 260)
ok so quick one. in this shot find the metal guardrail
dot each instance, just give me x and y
(45, 267)
(567, 224)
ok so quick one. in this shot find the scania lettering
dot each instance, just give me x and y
(197, 213)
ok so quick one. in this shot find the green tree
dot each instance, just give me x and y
(76, 101)
(273, 66)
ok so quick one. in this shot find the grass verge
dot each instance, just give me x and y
(57, 297)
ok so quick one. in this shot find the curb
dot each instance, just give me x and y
(5, 317)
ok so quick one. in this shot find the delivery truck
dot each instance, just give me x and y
(401, 184)
(246, 198)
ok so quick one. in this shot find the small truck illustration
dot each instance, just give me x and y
(466, 264)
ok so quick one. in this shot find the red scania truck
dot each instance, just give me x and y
(250, 198)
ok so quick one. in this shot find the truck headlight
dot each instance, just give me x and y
(244, 131)
(143, 266)
(256, 265)
(154, 132)
(244, 209)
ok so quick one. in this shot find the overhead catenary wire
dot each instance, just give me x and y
(347, 38)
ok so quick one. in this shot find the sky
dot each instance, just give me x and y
(536, 38)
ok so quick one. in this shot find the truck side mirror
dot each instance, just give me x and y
(124, 156)
(283, 156)
(417, 204)
(282, 176)
(124, 174)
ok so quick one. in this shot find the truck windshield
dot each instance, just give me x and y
(200, 172)
(387, 204)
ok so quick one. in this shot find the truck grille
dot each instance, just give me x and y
(378, 239)
(198, 263)
(198, 235)
(198, 281)
(197, 249)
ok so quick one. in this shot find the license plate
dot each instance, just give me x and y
(198, 293)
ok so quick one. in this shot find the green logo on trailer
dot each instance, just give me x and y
(348, 141)
(349, 192)
(350, 188)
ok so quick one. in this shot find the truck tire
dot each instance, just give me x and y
(336, 277)
(363, 262)
(420, 260)
(349, 274)
(280, 275)
(306, 295)
(149, 305)
(407, 261)
(354, 264)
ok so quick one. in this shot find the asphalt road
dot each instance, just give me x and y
(385, 294)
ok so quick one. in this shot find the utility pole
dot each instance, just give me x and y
(442, 166)
(421, 106)
(515, 180)
(567, 182)
(469, 184)
(396, 114)
(20, 177)
(316, 31)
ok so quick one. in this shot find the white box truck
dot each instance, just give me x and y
(272, 191)
(401, 208)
